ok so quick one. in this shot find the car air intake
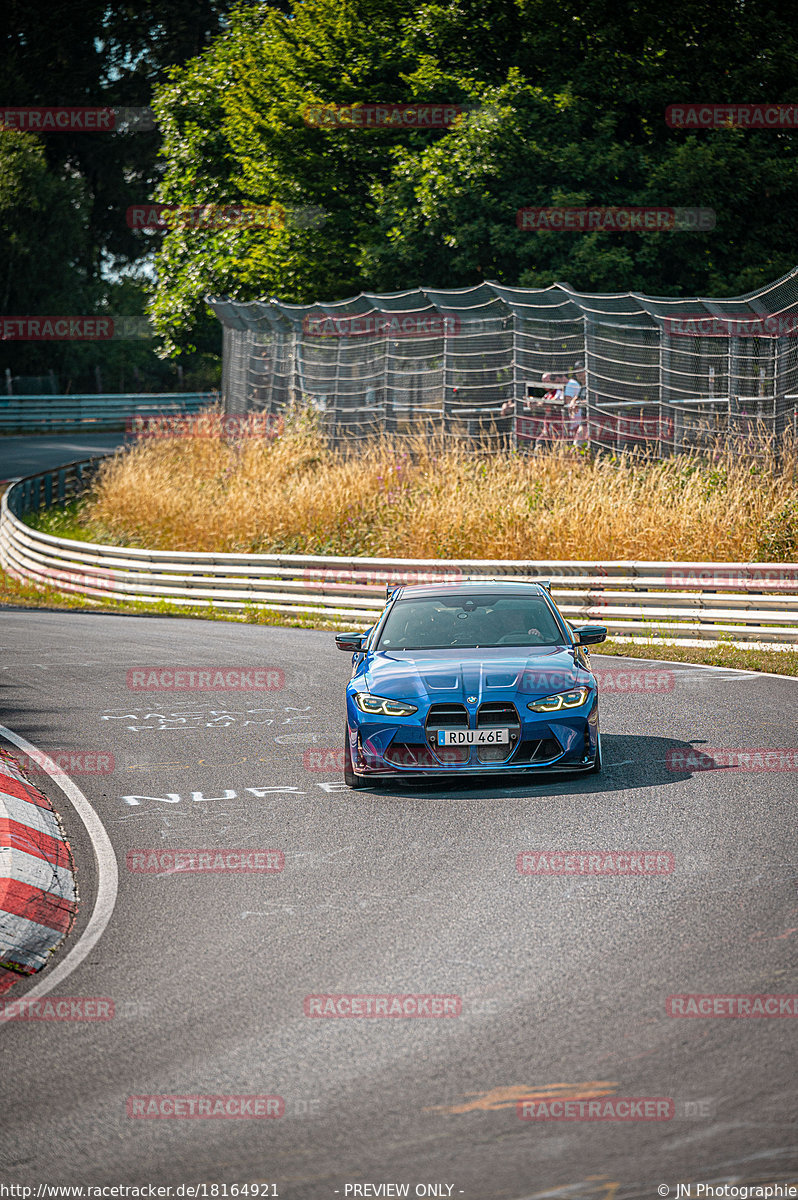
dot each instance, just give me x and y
(410, 754)
(542, 750)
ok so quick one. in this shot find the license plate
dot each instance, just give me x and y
(473, 737)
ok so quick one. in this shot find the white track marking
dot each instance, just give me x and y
(107, 870)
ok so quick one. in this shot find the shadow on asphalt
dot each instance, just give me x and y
(630, 761)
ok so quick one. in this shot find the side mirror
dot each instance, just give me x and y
(590, 635)
(353, 643)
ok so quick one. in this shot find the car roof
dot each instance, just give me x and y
(470, 587)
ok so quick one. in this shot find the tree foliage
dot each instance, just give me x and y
(94, 54)
(567, 106)
(571, 110)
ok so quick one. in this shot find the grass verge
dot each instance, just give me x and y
(725, 654)
(427, 497)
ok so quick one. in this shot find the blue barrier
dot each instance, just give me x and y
(55, 414)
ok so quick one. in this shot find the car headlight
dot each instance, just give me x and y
(551, 704)
(379, 706)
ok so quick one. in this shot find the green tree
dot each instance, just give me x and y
(102, 52)
(43, 242)
(235, 130)
(571, 107)
(94, 54)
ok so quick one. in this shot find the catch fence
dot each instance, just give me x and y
(659, 374)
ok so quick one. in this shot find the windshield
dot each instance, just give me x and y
(470, 621)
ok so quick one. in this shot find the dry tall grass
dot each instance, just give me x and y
(419, 500)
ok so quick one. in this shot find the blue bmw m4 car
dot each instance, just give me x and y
(478, 678)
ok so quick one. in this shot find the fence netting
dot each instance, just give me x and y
(525, 367)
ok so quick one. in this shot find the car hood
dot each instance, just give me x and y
(452, 675)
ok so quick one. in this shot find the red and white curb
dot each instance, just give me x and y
(38, 892)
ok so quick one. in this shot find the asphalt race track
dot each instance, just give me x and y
(25, 455)
(563, 979)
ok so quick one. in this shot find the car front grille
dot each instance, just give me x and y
(447, 716)
(498, 714)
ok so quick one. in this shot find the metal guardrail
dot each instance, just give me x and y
(56, 414)
(739, 601)
(55, 486)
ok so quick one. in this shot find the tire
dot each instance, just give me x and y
(596, 768)
(350, 778)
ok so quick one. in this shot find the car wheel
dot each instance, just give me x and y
(350, 778)
(596, 768)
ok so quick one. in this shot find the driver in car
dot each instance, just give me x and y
(515, 623)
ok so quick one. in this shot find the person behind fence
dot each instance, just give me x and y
(574, 390)
(551, 405)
